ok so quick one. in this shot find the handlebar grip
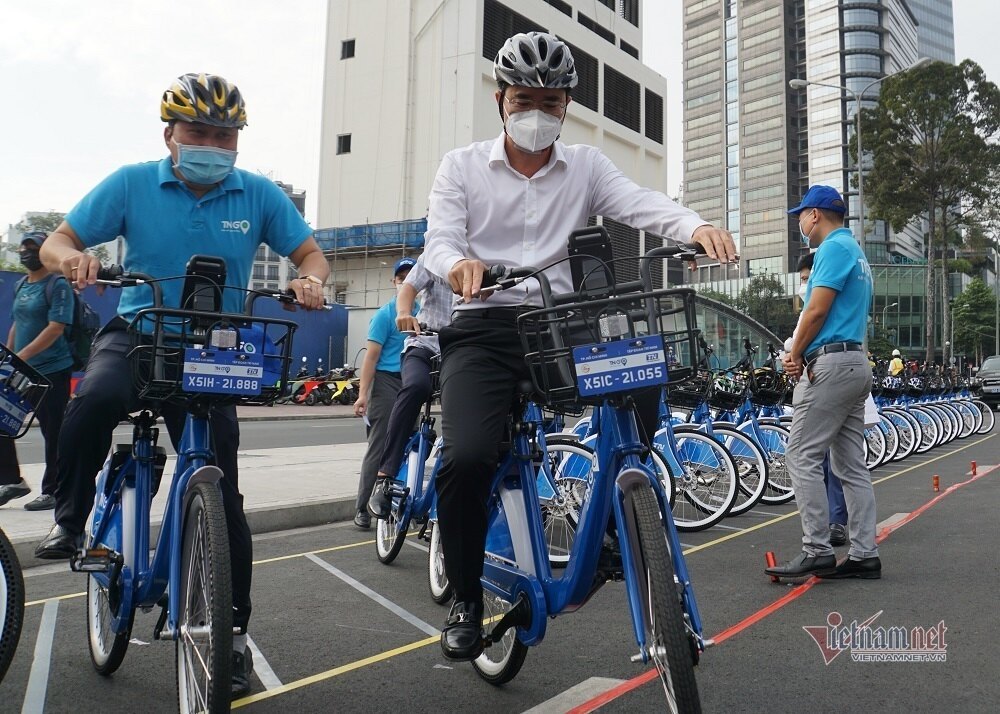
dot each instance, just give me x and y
(110, 272)
(494, 275)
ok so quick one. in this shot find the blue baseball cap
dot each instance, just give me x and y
(36, 237)
(821, 197)
(403, 264)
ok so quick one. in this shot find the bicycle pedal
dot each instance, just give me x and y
(94, 560)
(394, 491)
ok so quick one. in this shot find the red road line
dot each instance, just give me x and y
(794, 594)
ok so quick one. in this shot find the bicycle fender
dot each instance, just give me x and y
(205, 474)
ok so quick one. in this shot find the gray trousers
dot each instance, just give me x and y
(829, 414)
(385, 387)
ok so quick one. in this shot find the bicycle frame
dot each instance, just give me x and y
(122, 514)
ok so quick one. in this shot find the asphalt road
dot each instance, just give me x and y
(331, 647)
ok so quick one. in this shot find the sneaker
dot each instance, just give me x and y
(242, 667)
(362, 520)
(13, 490)
(838, 534)
(45, 502)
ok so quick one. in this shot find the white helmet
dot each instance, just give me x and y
(535, 59)
(895, 353)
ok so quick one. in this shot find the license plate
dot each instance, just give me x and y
(620, 366)
(13, 411)
(222, 371)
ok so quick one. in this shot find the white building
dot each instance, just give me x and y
(409, 80)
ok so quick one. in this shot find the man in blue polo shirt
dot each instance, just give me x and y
(380, 382)
(192, 202)
(829, 399)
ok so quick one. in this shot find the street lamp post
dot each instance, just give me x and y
(884, 309)
(803, 83)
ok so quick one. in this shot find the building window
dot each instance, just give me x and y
(629, 9)
(272, 272)
(595, 28)
(343, 144)
(563, 7)
(610, 4)
(346, 49)
(258, 272)
(499, 23)
(634, 51)
(654, 117)
(585, 91)
(621, 98)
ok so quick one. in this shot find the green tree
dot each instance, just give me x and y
(764, 300)
(933, 141)
(47, 222)
(974, 312)
(9, 259)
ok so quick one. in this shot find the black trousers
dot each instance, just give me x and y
(50, 418)
(482, 361)
(105, 397)
(416, 390)
(10, 469)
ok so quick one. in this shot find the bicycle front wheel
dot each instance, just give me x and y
(707, 484)
(205, 620)
(752, 465)
(12, 602)
(437, 579)
(668, 641)
(390, 533)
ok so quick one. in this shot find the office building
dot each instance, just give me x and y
(409, 80)
(271, 271)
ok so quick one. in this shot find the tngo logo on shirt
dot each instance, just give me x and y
(230, 226)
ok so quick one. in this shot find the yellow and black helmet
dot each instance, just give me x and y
(205, 98)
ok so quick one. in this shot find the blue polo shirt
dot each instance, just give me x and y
(382, 329)
(841, 265)
(164, 224)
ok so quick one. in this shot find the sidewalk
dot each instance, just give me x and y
(282, 488)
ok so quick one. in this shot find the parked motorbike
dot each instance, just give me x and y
(344, 385)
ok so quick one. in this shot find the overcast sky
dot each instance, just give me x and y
(82, 82)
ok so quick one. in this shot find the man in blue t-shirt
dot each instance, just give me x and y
(192, 202)
(829, 399)
(42, 309)
(380, 382)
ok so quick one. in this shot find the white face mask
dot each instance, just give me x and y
(802, 291)
(533, 131)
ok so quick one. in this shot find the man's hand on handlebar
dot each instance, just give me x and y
(307, 294)
(466, 277)
(407, 323)
(80, 269)
(718, 243)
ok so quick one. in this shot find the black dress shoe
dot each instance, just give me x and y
(362, 520)
(462, 636)
(13, 490)
(838, 534)
(803, 565)
(59, 544)
(379, 504)
(242, 667)
(867, 568)
(45, 502)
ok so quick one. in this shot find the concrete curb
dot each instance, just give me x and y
(264, 519)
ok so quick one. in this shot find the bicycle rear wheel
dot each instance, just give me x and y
(12, 602)
(706, 487)
(668, 640)
(390, 533)
(988, 416)
(205, 620)
(107, 649)
(500, 662)
(752, 465)
(437, 579)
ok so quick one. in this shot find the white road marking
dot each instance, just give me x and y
(261, 667)
(38, 680)
(574, 696)
(368, 592)
(417, 544)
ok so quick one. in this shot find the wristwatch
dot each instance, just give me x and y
(312, 279)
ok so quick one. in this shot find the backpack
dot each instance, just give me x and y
(81, 332)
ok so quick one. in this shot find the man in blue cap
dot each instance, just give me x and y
(380, 382)
(829, 399)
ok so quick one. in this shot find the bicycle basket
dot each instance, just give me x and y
(692, 393)
(767, 387)
(580, 352)
(22, 389)
(728, 390)
(892, 387)
(914, 387)
(177, 355)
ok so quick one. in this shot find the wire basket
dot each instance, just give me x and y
(22, 389)
(891, 387)
(767, 387)
(692, 393)
(915, 387)
(178, 355)
(659, 318)
(728, 390)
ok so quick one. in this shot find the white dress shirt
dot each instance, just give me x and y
(481, 208)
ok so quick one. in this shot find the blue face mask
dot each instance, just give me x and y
(204, 165)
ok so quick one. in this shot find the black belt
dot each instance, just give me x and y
(510, 314)
(833, 347)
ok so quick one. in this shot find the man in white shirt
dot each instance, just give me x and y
(514, 201)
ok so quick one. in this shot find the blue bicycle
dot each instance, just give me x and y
(202, 359)
(595, 352)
